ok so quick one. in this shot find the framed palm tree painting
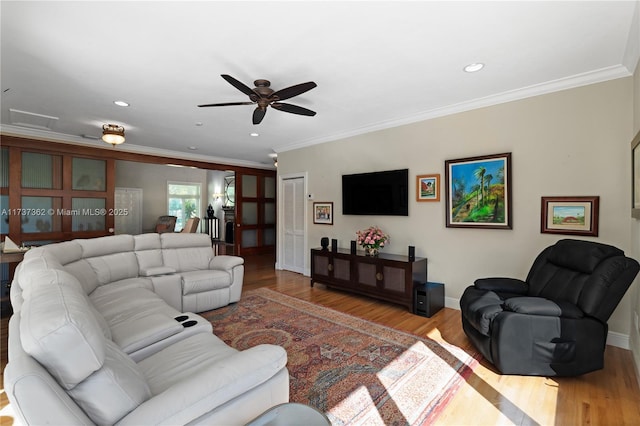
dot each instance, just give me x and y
(478, 192)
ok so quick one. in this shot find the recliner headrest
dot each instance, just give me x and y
(582, 256)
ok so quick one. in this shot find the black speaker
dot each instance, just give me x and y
(324, 242)
(334, 244)
(412, 253)
(353, 247)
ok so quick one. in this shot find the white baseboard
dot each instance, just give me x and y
(618, 340)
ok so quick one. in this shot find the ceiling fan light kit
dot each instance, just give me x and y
(113, 134)
(263, 96)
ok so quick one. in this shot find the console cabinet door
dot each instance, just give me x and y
(320, 265)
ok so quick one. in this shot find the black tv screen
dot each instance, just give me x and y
(378, 193)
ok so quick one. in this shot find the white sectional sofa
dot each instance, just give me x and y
(104, 332)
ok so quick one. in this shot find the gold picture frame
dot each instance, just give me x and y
(428, 187)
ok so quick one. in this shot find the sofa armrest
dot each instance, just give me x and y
(505, 285)
(135, 335)
(225, 262)
(543, 307)
(213, 386)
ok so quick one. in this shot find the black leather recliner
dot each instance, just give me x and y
(555, 322)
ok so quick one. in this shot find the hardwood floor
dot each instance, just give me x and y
(607, 397)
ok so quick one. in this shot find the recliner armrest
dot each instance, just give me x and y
(541, 306)
(216, 384)
(506, 285)
(225, 262)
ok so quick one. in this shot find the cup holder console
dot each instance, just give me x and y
(182, 319)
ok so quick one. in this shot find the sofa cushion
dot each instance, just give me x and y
(101, 246)
(186, 252)
(134, 335)
(114, 390)
(114, 267)
(148, 241)
(149, 254)
(187, 258)
(201, 281)
(60, 331)
(34, 266)
(65, 252)
(82, 270)
(172, 364)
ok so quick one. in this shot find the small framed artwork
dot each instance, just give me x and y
(478, 192)
(428, 187)
(323, 213)
(635, 176)
(570, 215)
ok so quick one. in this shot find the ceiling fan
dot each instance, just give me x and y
(264, 96)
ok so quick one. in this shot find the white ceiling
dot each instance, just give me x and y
(377, 65)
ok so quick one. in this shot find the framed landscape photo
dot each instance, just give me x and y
(428, 187)
(635, 177)
(478, 192)
(570, 215)
(323, 213)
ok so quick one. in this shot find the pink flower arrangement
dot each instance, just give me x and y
(372, 238)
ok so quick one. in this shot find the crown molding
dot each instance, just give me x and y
(579, 80)
(50, 136)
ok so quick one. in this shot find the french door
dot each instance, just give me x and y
(255, 225)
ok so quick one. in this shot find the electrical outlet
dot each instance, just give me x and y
(635, 319)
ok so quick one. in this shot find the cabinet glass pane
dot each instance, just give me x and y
(41, 171)
(88, 174)
(89, 214)
(249, 213)
(249, 186)
(4, 167)
(269, 187)
(269, 236)
(249, 238)
(4, 214)
(270, 213)
(44, 214)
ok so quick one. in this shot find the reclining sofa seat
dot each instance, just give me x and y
(103, 312)
(63, 369)
(555, 322)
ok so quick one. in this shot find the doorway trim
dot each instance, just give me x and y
(280, 221)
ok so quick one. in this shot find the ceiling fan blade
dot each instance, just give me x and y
(258, 115)
(292, 91)
(239, 85)
(294, 109)
(227, 104)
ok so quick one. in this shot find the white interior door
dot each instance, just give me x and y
(128, 206)
(293, 226)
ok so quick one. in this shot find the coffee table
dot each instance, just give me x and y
(291, 413)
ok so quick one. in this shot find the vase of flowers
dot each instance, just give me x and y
(372, 240)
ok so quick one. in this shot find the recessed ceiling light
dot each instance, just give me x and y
(193, 148)
(477, 66)
(255, 134)
(121, 103)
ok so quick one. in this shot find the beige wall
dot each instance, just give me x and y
(574, 142)
(153, 178)
(635, 233)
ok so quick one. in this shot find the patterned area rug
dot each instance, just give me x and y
(356, 371)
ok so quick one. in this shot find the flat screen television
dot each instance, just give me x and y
(377, 193)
